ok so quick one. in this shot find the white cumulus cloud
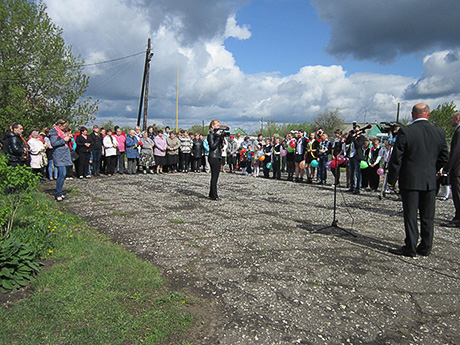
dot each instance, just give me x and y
(189, 36)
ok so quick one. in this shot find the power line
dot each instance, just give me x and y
(107, 61)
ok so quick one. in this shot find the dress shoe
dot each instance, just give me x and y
(401, 251)
(215, 199)
(422, 253)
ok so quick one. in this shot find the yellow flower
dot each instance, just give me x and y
(49, 227)
(70, 235)
(53, 230)
(51, 222)
(50, 251)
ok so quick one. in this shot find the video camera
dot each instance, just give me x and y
(387, 127)
(361, 130)
(224, 131)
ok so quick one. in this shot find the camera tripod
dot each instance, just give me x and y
(334, 223)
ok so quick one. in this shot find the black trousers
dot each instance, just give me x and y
(196, 163)
(455, 184)
(277, 167)
(374, 178)
(424, 203)
(365, 174)
(83, 163)
(184, 161)
(216, 166)
(110, 164)
(231, 160)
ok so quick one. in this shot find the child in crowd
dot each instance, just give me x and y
(276, 150)
(249, 158)
(444, 182)
(386, 155)
(257, 162)
(374, 165)
(365, 173)
(243, 160)
(268, 157)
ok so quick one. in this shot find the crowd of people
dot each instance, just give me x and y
(305, 158)
(57, 153)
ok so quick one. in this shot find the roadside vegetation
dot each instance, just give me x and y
(81, 288)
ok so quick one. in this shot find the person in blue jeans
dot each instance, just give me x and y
(59, 139)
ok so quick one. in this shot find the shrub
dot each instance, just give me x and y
(17, 264)
(15, 185)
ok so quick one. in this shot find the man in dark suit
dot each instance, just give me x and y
(453, 168)
(419, 152)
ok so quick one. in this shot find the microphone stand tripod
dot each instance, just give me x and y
(334, 223)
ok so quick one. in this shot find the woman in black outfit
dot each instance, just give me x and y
(215, 141)
(84, 153)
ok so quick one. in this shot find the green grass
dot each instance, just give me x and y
(93, 292)
(177, 221)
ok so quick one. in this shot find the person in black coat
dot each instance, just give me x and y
(95, 139)
(419, 152)
(453, 169)
(83, 150)
(215, 141)
(15, 146)
(197, 153)
(355, 141)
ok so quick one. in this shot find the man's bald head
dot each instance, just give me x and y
(420, 111)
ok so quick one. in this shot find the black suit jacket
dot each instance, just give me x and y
(419, 152)
(453, 166)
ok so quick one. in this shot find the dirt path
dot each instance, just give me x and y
(263, 278)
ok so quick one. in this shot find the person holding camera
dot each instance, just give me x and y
(355, 141)
(215, 141)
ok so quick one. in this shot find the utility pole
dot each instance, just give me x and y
(177, 101)
(397, 114)
(145, 87)
(262, 124)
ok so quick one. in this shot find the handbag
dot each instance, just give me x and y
(73, 155)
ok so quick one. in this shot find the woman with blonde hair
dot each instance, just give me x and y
(215, 141)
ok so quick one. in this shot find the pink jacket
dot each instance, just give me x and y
(121, 142)
(160, 146)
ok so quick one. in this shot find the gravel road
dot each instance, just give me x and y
(260, 276)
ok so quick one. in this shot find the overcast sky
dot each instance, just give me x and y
(283, 60)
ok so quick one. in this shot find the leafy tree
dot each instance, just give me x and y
(40, 80)
(329, 120)
(198, 129)
(441, 117)
(282, 129)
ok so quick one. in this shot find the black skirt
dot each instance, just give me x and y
(160, 160)
(173, 159)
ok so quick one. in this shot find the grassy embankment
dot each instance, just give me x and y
(91, 291)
